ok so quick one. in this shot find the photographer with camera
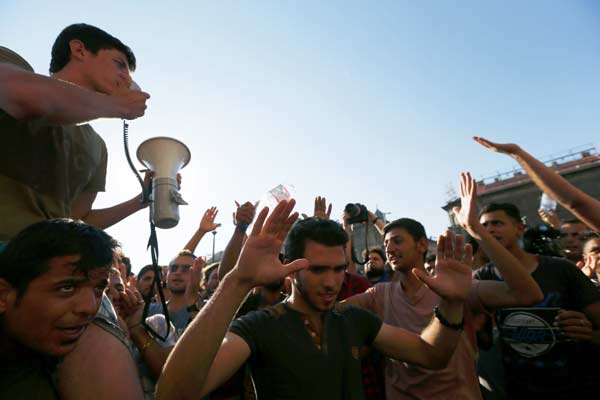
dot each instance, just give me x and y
(356, 221)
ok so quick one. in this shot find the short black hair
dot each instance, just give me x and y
(26, 256)
(322, 231)
(94, 39)
(413, 227)
(510, 209)
(143, 271)
(374, 249)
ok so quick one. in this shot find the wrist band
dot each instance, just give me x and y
(457, 327)
(242, 227)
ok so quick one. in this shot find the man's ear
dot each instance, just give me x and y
(78, 50)
(422, 245)
(520, 230)
(7, 295)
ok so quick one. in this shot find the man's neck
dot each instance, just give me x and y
(68, 74)
(410, 283)
(177, 302)
(297, 302)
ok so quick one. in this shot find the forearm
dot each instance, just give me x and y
(187, 367)
(441, 339)
(351, 264)
(577, 202)
(194, 240)
(106, 217)
(522, 286)
(152, 353)
(26, 95)
(231, 253)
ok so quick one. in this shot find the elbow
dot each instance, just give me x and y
(531, 298)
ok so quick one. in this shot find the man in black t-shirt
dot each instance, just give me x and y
(549, 349)
(306, 348)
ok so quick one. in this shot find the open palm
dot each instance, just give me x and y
(466, 214)
(259, 261)
(452, 278)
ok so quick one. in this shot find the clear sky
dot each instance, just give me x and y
(371, 102)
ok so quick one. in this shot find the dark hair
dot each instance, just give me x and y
(183, 253)
(144, 270)
(26, 256)
(414, 228)
(510, 209)
(322, 231)
(127, 261)
(94, 39)
(374, 249)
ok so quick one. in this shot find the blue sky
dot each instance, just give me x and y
(371, 102)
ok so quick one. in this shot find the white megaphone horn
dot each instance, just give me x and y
(165, 156)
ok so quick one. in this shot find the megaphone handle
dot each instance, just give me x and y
(145, 190)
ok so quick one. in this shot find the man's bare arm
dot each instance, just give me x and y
(518, 288)
(105, 217)
(187, 369)
(580, 204)
(26, 95)
(242, 218)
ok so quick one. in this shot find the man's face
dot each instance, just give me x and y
(402, 251)
(116, 288)
(375, 262)
(179, 274)
(504, 228)
(570, 240)
(320, 283)
(213, 280)
(107, 71)
(56, 307)
(145, 283)
(592, 247)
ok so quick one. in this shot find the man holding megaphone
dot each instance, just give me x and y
(52, 165)
(49, 165)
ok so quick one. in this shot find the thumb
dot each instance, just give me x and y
(423, 277)
(304, 216)
(295, 266)
(579, 264)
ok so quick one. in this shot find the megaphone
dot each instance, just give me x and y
(165, 156)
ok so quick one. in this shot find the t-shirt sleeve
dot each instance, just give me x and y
(98, 181)
(252, 328)
(364, 300)
(366, 323)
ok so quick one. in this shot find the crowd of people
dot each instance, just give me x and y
(286, 313)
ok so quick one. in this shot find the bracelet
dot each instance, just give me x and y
(242, 227)
(457, 327)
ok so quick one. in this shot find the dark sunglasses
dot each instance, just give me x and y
(184, 267)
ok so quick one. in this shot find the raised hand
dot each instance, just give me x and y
(244, 215)
(589, 265)
(193, 285)
(466, 214)
(207, 224)
(452, 279)
(550, 217)
(504, 148)
(132, 307)
(259, 261)
(321, 209)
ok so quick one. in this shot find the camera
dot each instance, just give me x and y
(541, 240)
(357, 213)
